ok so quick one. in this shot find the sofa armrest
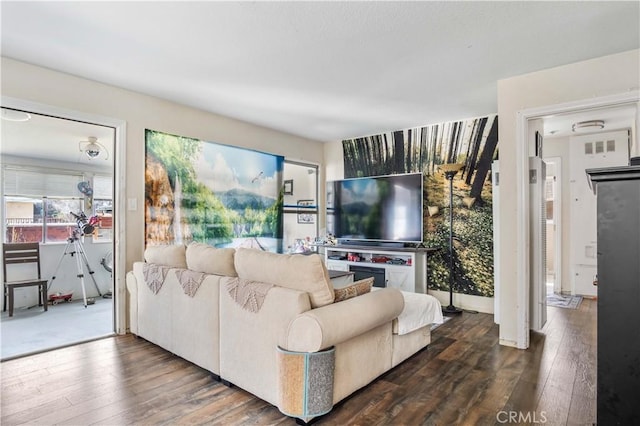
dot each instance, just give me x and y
(329, 325)
(132, 288)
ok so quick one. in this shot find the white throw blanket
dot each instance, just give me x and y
(154, 275)
(190, 280)
(419, 310)
(248, 294)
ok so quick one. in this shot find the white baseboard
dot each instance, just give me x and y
(465, 301)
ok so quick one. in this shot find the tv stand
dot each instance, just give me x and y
(405, 268)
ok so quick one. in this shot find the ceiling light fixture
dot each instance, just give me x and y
(588, 125)
(92, 148)
(15, 115)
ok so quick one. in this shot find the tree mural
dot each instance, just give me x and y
(470, 142)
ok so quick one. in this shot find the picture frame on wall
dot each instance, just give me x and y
(306, 211)
(288, 187)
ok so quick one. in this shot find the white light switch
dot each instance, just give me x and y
(132, 204)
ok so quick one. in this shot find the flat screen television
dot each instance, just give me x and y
(376, 209)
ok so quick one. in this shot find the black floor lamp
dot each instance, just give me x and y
(450, 170)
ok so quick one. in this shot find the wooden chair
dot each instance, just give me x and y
(21, 253)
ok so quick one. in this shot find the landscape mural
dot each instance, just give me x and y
(472, 142)
(212, 193)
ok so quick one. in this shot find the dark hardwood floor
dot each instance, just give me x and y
(463, 378)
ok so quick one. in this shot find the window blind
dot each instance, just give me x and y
(102, 187)
(39, 184)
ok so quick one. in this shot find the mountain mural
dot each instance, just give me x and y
(211, 193)
(239, 199)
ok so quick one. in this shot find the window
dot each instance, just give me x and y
(103, 207)
(102, 195)
(59, 222)
(24, 219)
(38, 205)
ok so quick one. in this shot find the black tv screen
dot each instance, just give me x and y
(376, 208)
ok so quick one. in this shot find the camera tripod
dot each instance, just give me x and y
(75, 247)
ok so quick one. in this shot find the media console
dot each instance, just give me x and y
(404, 268)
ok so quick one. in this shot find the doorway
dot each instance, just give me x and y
(57, 189)
(570, 200)
(614, 104)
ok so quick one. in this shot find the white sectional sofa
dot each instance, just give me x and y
(297, 315)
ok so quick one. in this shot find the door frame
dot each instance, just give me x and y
(119, 163)
(523, 150)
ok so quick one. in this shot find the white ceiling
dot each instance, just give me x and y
(54, 139)
(322, 70)
(614, 118)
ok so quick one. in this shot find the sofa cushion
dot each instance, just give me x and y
(170, 255)
(211, 260)
(356, 289)
(299, 272)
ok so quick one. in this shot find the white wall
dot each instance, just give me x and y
(598, 77)
(44, 86)
(334, 160)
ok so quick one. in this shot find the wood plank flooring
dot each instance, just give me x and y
(463, 378)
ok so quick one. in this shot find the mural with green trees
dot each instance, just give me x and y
(472, 143)
(217, 194)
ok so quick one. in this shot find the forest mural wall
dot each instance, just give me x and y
(212, 193)
(471, 142)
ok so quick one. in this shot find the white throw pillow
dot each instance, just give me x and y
(296, 271)
(172, 256)
(211, 260)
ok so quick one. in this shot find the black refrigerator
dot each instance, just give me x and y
(618, 218)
